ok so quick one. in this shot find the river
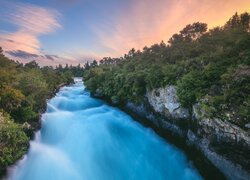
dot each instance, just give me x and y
(83, 138)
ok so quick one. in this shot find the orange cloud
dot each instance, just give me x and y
(149, 21)
(31, 21)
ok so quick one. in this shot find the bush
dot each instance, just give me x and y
(13, 141)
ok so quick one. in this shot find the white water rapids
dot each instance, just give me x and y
(83, 138)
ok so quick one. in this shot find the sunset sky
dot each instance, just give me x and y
(80, 30)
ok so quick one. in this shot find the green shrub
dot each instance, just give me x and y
(13, 141)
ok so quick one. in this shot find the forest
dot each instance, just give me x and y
(24, 89)
(211, 67)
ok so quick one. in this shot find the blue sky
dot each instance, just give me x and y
(81, 30)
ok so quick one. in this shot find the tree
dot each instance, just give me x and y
(189, 33)
(233, 22)
(175, 39)
(34, 87)
(193, 31)
(86, 66)
(59, 67)
(245, 20)
(31, 64)
(1, 51)
(191, 87)
(94, 64)
(10, 98)
(66, 67)
(131, 53)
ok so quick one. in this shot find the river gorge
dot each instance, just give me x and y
(84, 138)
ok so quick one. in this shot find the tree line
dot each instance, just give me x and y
(211, 67)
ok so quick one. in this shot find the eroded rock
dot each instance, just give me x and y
(165, 101)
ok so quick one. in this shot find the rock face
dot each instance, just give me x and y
(210, 136)
(165, 101)
(221, 131)
(215, 134)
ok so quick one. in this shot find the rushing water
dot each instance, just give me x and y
(84, 138)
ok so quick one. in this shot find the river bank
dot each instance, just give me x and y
(29, 129)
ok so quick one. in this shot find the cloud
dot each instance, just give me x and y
(147, 22)
(42, 60)
(31, 22)
(21, 54)
(20, 40)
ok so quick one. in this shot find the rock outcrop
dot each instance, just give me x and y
(165, 101)
(224, 144)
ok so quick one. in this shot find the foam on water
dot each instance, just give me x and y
(83, 138)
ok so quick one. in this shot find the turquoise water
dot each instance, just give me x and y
(84, 138)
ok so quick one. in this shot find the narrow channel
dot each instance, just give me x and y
(84, 138)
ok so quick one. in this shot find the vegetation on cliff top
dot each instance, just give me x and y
(211, 66)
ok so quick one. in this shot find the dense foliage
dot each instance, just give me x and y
(13, 141)
(76, 71)
(23, 93)
(207, 66)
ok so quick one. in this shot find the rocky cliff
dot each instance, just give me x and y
(224, 144)
(165, 101)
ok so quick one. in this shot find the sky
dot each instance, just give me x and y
(76, 31)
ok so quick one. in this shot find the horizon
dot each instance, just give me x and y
(72, 32)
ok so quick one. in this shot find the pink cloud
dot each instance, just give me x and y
(151, 21)
(20, 40)
(31, 21)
